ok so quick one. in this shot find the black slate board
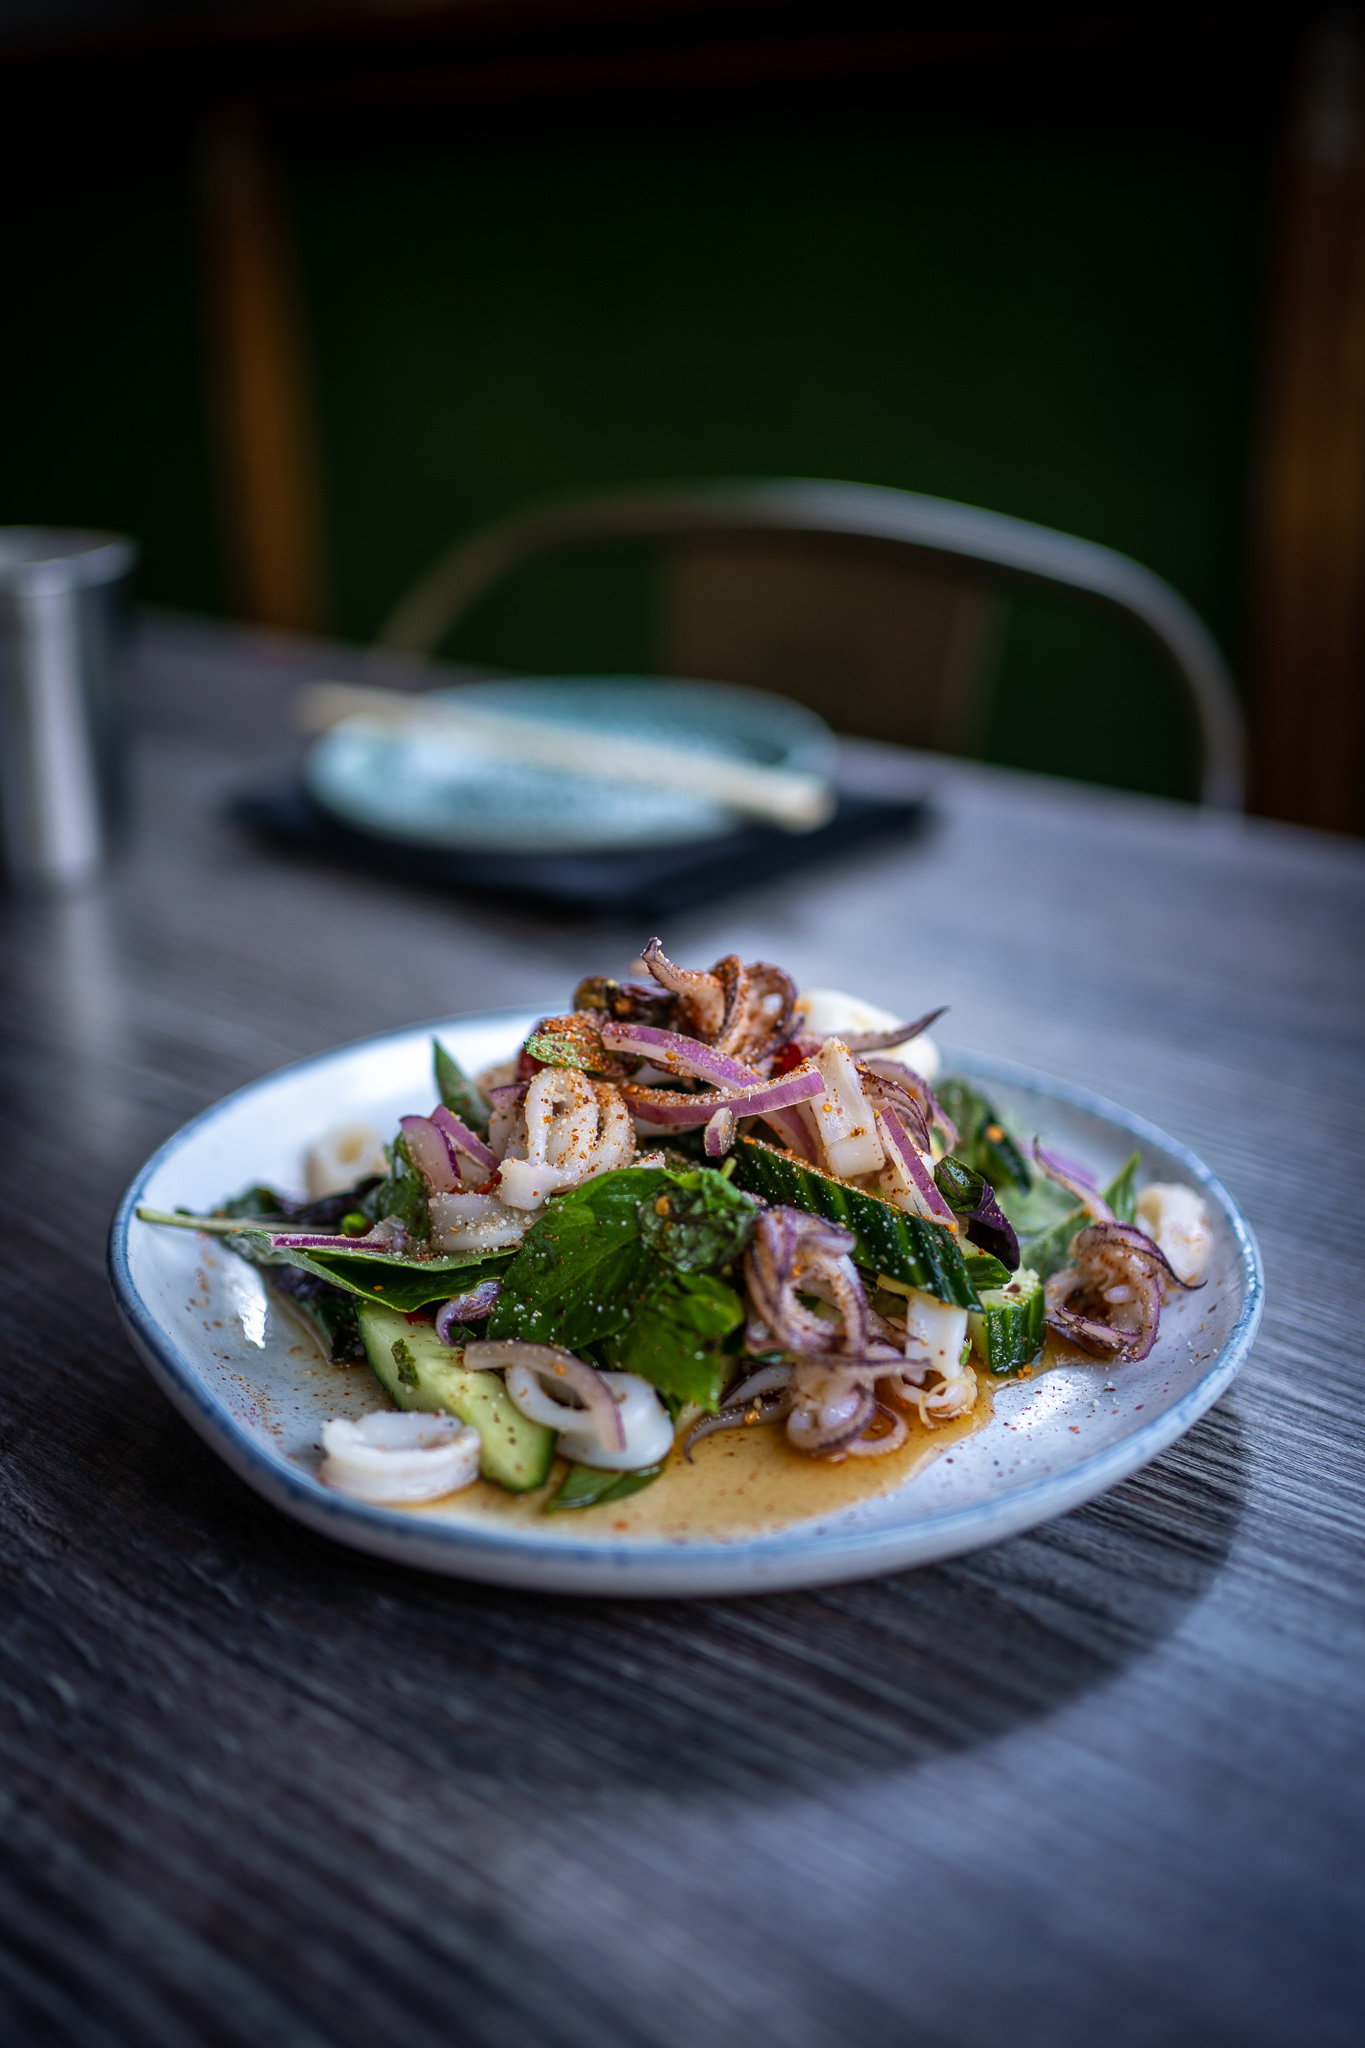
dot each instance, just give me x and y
(654, 881)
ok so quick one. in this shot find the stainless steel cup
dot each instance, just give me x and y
(63, 637)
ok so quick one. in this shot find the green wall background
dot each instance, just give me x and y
(1055, 322)
(103, 414)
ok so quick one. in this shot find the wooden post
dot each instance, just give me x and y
(1308, 604)
(260, 384)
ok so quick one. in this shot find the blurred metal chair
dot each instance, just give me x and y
(876, 607)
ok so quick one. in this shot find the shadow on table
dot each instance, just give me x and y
(749, 1697)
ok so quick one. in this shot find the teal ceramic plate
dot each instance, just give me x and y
(456, 793)
(243, 1374)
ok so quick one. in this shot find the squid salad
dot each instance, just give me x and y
(696, 1203)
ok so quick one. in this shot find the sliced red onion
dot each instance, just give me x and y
(462, 1138)
(549, 1361)
(884, 1094)
(430, 1154)
(680, 1055)
(466, 1308)
(897, 1072)
(899, 1034)
(914, 1165)
(317, 1244)
(915, 1085)
(388, 1236)
(1075, 1180)
(792, 1128)
(661, 1106)
(720, 1134)
(510, 1093)
(1058, 1162)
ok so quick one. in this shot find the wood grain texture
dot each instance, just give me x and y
(1101, 1782)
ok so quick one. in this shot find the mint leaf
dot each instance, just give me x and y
(1048, 1247)
(391, 1280)
(674, 1342)
(403, 1194)
(264, 1202)
(1121, 1193)
(585, 1486)
(329, 1311)
(582, 1271)
(959, 1184)
(983, 1141)
(585, 1274)
(458, 1092)
(701, 1221)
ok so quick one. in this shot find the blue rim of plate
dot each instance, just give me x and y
(864, 1551)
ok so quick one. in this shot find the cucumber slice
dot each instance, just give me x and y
(1008, 1329)
(412, 1364)
(907, 1248)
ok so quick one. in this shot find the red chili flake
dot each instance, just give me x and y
(786, 1060)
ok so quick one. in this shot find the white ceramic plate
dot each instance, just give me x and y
(242, 1373)
(433, 792)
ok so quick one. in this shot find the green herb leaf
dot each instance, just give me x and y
(1048, 1251)
(576, 1041)
(1121, 1193)
(582, 1271)
(674, 1342)
(258, 1201)
(405, 1365)
(402, 1194)
(960, 1185)
(986, 1271)
(458, 1092)
(329, 1311)
(983, 1141)
(585, 1486)
(393, 1280)
(699, 1222)
(1048, 1247)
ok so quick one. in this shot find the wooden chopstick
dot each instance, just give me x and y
(776, 796)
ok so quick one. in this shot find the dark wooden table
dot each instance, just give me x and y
(1101, 1784)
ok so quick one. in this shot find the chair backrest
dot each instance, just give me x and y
(880, 645)
(925, 567)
